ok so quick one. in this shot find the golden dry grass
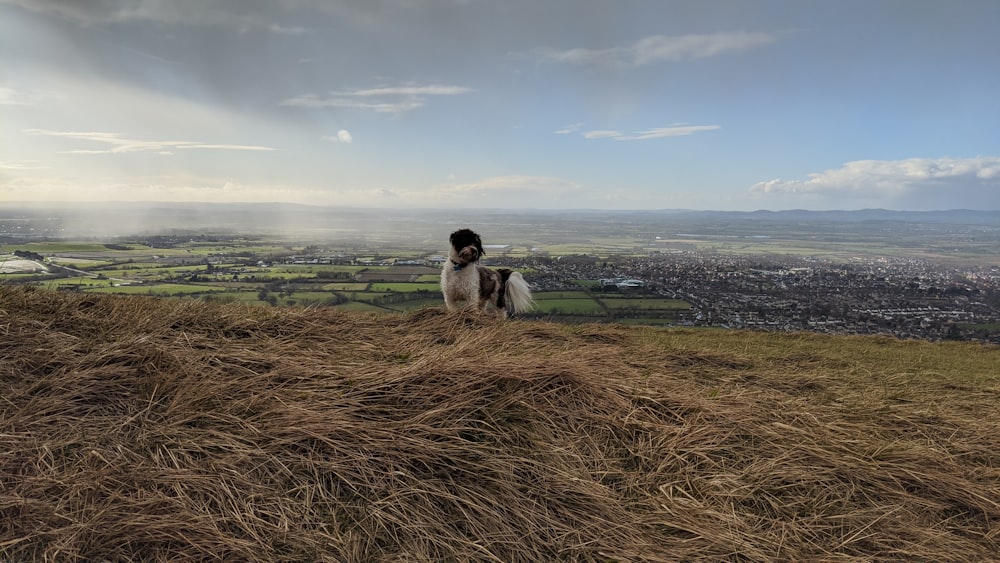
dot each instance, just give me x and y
(139, 429)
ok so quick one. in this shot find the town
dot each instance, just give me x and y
(901, 298)
(930, 276)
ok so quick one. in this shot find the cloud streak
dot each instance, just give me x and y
(645, 135)
(658, 49)
(118, 144)
(242, 15)
(496, 186)
(394, 100)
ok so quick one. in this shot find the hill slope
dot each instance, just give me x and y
(138, 429)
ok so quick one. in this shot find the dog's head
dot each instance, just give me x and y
(467, 245)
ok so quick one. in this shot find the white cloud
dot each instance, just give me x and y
(655, 133)
(12, 97)
(390, 99)
(20, 165)
(119, 144)
(569, 129)
(314, 101)
(915, 183)
(660, 48)
(498, 186)
(342, 136)
(430, 90)
(602, 134)
(244, 16)
(672, 131)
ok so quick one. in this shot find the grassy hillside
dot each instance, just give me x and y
(140, 429)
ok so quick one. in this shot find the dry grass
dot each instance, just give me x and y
(139, 429)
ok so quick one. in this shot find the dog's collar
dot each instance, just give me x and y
(457, 266)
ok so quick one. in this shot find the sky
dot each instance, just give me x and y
(542, 104)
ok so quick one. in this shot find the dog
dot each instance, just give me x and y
(467, 285)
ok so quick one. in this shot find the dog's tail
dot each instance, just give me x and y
(518, 294)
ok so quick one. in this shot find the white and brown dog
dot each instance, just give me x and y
(468, 285)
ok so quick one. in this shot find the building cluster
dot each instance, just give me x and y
(899, 297)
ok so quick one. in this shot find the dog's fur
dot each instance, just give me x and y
(468, 285)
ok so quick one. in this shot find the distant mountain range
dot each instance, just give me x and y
(130, 218)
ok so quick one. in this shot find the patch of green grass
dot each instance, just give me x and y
(647, 321)
(405, 287)
(58, 246)
(164, 289)
(345, 286)
(569, 307)
(313, 296)
(84, 282)
(644, 303)
(79, 263)
(359, 306)
(547, 295)
(365, 296)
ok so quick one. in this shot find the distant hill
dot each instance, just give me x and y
(126, 218)
(133, 428)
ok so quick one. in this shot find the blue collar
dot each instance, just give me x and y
(456, 266)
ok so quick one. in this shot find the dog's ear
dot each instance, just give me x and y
(479, 246)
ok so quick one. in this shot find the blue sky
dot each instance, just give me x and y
(724, 105)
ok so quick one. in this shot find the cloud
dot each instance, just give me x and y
(314, 101)
(915, 183)
(12, 97)
(390, 99)
(655, 133)
(499, 186)
(119, 144)
(659, 48)
(603, 134)
(244, 16)
(673, 131)
(430, 90)
(342, 136)
(569, 129)
(20, 165)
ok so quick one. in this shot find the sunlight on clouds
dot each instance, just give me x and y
(655, 133)
(46, 188)
(121, 144)
(508, 185)
(20, 165)
(895, 181)
(342, 136)
(13, 97)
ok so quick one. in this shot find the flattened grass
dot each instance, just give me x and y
(134, 428)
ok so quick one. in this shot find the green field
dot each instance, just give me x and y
(569, 307)
(228, 271)
(644, 303)
(165, 289)
(547, 295)
(347, 286)
(405, 287)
